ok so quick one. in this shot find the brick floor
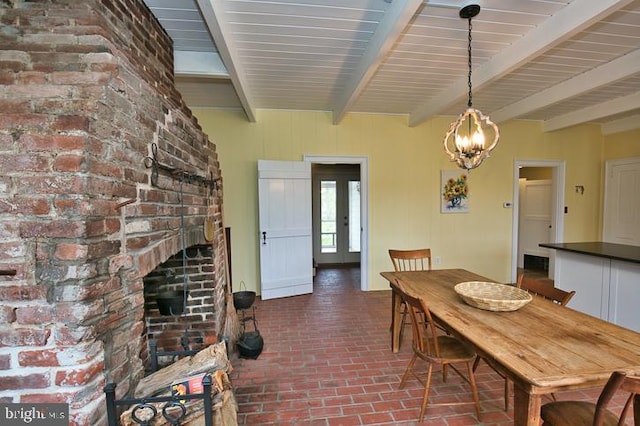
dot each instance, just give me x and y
(327, 362)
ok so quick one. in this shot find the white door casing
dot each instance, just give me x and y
(284, 192)
(364, 205)
(622, 202)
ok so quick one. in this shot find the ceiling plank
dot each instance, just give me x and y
(593, 113)
(569, 21)
(605, 74)
(395, 20)
(213, 14)
(621, 125)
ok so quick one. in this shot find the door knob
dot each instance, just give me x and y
(264, 238)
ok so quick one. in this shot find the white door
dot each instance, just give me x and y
(535, 218)
(622, 202)
(557, 177)
(284, 196)
(336, 214)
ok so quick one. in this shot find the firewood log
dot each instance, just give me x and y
(208, 360)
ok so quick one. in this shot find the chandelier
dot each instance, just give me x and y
(465, 142)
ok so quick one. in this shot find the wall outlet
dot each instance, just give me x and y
(436, 260)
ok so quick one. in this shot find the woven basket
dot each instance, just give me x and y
(492, 296)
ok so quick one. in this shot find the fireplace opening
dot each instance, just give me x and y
(171, 322)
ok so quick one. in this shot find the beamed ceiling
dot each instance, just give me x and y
(563, 62)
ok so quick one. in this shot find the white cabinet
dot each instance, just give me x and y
(605, 288)
(589, 277)
(624, 294)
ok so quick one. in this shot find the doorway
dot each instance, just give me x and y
(360, 164)
(336, 214)
(534, 219)
(547, 224)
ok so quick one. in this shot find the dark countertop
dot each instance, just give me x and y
(600, 249)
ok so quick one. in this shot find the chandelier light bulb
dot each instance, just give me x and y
(462, 143)
(478, 139)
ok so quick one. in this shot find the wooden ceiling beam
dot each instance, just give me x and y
(594, 113)
(395, 19)
(199, 64)
(621, 125)
(572, 19)
(613, 71)
(214, 17)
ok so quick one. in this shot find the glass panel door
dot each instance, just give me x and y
(337, 229)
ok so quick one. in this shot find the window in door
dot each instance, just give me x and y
(354, 216)
(329, 220)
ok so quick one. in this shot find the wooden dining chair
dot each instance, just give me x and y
(436, 349)
(582, 413)
(409, 260)
(544, 288)
(540, 287)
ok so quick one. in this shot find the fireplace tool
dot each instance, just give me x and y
(174, 302)
(209, 222)
(250, 343)
(184, 340)
(231, 330)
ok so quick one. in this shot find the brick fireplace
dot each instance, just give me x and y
(191, 273)
(105, 178)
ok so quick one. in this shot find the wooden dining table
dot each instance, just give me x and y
(542, 347)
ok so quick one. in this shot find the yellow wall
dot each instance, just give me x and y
(622, 145)
(404, 183)
(536, 173)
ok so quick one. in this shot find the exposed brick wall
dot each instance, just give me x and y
(85, 88)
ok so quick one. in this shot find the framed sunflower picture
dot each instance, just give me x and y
(454, 194)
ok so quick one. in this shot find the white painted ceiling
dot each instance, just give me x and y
(564, 62)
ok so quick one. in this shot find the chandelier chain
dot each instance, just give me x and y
(467, 142)
(470, 103)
